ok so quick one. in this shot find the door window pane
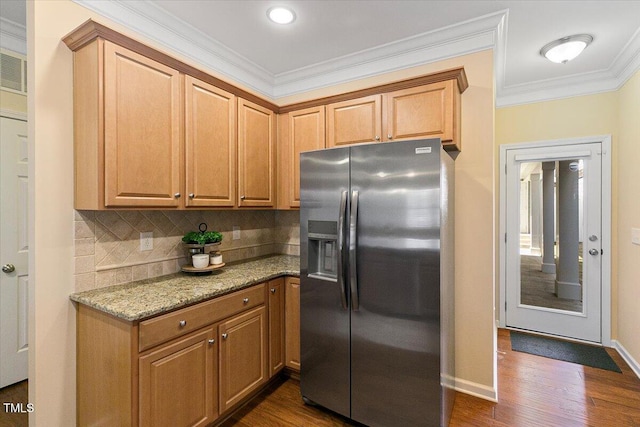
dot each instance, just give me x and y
(551, 234)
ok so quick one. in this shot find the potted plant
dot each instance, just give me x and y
(202, 241)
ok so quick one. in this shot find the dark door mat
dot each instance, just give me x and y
(583, 354)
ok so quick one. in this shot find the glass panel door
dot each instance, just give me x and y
(553, 223)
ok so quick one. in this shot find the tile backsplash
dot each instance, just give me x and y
(107, 243)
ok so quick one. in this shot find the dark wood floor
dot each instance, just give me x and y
(533, 391)
(16, 393)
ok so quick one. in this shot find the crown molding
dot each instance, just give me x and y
(448, 42)
(13, 36)
(154, 23)
(623, 67)
(486, 32)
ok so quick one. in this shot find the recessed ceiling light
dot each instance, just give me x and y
(281, 15)
(565, 49)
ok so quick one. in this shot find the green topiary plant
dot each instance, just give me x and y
(202, 237)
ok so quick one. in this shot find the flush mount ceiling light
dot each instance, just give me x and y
(565, 49)
(281, 15)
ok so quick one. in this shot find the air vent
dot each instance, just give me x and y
(13, 72)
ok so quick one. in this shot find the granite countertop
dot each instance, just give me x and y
(145, 298)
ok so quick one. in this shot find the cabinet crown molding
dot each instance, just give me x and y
(90, 30)
(457, 74)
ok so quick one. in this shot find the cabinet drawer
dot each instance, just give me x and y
(171, 325)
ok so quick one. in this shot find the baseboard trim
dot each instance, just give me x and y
(477, 390)
(633, 364)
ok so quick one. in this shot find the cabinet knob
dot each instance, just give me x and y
(224, 336)
(182, 323)
(191, 195)
(242, 197)
(389, 136)
(212, 341)
(177, 195)
(377, 138)
(273, 290)
(246, 300)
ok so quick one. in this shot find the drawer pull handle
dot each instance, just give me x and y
(246, 300)
(183, 323)
(273, 290)
(224, 336)
(212, 341)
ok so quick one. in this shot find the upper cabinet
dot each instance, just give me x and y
(299, 131)
(128, 129)
(426, 111)
(210, 145)
(153, 132)
(256, 155)
(429, 111)
(354, 121)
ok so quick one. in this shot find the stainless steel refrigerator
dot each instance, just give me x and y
(377, 285)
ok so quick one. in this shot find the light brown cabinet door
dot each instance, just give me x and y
(354, 121)
(210, 145)
(177, 383)
(302, 130)
(276, 325)
(420, 112)
(142, 130)
(243, 356)
(292, 314)
(256, 155)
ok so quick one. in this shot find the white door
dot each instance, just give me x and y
(14, 253)
(553, 240)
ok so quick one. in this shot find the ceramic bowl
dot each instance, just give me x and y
(200, 260)
(216, 259)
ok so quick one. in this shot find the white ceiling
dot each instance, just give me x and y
(335, 41)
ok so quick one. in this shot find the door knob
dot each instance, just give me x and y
(8, 268)
(593, 252)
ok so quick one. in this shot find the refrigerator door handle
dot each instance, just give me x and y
(353, 268)
(341, 236)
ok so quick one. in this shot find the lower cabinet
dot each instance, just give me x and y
(276, 325)
(243, 356)
(292, 316)
(185, 368)
(178, 382)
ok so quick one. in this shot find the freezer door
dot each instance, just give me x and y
(324, 311)
(395, 329)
